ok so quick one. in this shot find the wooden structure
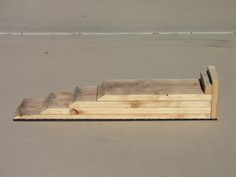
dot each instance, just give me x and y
(131, 99)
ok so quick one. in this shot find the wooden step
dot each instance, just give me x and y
(55, 102)
(171, 89)
(85, 93)
(30, 107)
(58, 100)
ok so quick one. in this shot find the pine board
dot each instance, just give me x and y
(172, 89)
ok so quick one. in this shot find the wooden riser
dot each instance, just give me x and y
(130, 99)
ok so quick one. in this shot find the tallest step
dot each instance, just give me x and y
(170, 89)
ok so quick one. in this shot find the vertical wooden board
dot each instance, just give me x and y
(214, 79)
(205, 83)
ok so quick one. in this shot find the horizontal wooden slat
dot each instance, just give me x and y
(141, 104)
(155, 97)
(142, 110)
(127, 110)
(114, 117)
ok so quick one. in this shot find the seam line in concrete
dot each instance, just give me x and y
(113, 33)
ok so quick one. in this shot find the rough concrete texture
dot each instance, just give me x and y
(34, 66)
(117, 15)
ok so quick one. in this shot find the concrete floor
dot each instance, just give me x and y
(34, 65)
(117, 15)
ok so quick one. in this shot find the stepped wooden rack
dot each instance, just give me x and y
(131, 100)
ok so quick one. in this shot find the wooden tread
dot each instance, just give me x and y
(171, 89)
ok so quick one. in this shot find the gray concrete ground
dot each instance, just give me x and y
(117, 15)
(34, 66)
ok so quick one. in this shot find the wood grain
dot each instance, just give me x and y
(174, 89)
(130, 99)
(85, 93)
(140, 104)
(30, 107)
(155, 97)
(205, 83)
(214, 79)
(58, 100)
(115, 117)
(127, 111)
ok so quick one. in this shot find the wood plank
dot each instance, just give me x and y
(30, 106)
(56, 111)
(147, 111)
(85, 93)
(115, 117)
(192, 97)
(140, 104)
(214, 79)
(205, 82)
(170, 89)
(142, 110)
(58, 100)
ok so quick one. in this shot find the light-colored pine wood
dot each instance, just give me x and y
(130, 99)
(58, 100)
(205, 83)
(141, 104)
(172, 89)
(214, 79)
(142, 110)
(85, 93)
(155, 97)
(57, 111)
(114, 117)
(30, 107)
(127, 110)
